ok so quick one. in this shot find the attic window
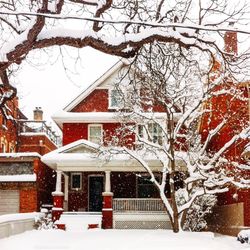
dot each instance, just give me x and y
(95, 133)
(115, 98)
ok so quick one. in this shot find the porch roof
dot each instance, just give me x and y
(83, 155)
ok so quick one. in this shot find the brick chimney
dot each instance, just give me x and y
(230, 40)
(38, 114)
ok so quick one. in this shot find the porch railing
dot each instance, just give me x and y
(138, 204)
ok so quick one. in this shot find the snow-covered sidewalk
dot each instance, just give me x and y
(97, 239)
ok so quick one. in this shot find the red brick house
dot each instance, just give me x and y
(86, 178)
(25, 182)
(83, 178)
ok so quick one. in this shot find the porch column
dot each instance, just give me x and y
(57, 209)
(66, 191)
(107, 204)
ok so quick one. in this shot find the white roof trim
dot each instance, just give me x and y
(71, 146)
(96, 117)
(95, 84)
(18, 178)
(60, 159)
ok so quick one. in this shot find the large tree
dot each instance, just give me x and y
(171, 104)
(112, 26)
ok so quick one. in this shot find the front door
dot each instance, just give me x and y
(95, 193)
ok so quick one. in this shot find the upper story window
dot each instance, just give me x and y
(95, 133)
(115, 98)
(152, 132)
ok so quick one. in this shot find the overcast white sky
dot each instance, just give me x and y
(48, 85)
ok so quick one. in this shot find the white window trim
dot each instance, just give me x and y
(71, 181)
(144, 133)
(109, 98)
(95, 125)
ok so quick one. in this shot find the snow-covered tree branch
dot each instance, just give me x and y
(174, 106)
(118, 27)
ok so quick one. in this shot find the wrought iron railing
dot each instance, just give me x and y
(38, 127)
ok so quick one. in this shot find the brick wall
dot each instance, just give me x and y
(97, 101)
(28, 200)
(35, 143)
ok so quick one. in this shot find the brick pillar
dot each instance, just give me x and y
(57, 209)
(107, 210)
(58, 196)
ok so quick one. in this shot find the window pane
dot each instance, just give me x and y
(95, 134)
(115, 98)
(155, 133)
(76, 181)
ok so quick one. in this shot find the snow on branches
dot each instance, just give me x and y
(203, 124)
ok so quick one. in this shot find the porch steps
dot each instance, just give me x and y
(141, 220)
(79, 221)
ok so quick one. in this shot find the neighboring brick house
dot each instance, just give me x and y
(25, 182)
(231, 101)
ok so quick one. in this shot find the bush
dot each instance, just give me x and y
(196, 215)
(45, 222)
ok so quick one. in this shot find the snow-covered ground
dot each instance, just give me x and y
(97, 239)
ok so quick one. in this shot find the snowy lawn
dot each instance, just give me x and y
(119, 240)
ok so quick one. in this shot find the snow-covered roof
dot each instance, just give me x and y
(95, 84)
(19, 155)
(18, 178)
(68, 159)
(20, 216)
(95, 117)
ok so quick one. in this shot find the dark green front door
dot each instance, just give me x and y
(95, 193)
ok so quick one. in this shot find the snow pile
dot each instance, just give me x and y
(79, 221)
(118, 239)
(20, 216)
(244, 236)
(22, 154)
(18, 178)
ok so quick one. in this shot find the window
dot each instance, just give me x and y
(152, 131)
(115, 98)
(146, 188)
(95, 133)
(76, 181)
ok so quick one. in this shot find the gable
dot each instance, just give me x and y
(80, 149)
(97, 101)
(102, 82)
(79, 146)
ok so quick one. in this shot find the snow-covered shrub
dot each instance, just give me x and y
(196, 214)
(244, 236)
(45, 222)
(195, 219)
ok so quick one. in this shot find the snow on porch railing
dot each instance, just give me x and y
(32, 127)
(137, 204)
